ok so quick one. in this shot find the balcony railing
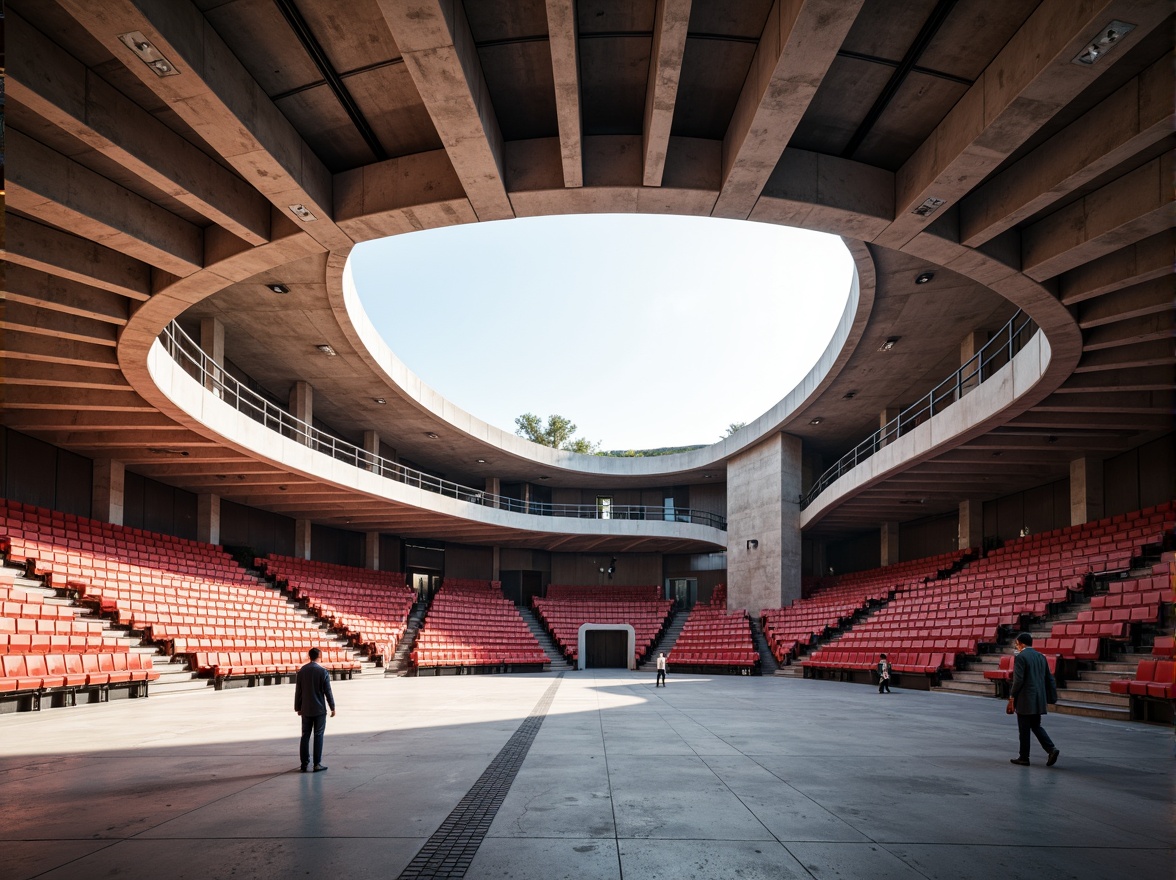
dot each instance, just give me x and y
(196, 363)
(997, 352)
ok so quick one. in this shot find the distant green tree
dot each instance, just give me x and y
(732, 428)
(557, 433)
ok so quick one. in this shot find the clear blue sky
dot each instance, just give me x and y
(645, 331)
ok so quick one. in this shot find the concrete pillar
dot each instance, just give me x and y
(493, 488)
(889, 543)
(971, 345)
(884, 418)
(371, 550)
(971, 532)
(371, 445)
(208, 518)
(302, 538)
(212, 342)
(302, 407)
(763, 525)
(108, 491)
(1086, 490)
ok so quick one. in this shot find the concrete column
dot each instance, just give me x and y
(212, 342)
(492, 487)
(971, 532)
(763, 525)
(371, 445)
(302, 538)
(884, 418)
(208, 518)
(302, 407)
(1086, 490)
(371, 550)
(889, 543)
(108, 491)
(972, 344)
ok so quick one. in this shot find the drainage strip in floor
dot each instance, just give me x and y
(448, 853)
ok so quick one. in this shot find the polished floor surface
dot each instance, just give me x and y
(707, 778)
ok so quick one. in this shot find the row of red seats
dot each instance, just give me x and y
(611, 593)
(470, 623)
(34, 672)
(564, 617)
(712, 637)
(1153, 678)
(42, 643)
(903, 661)
(1004, 671)
(231, 664)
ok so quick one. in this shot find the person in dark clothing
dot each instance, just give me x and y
(1032, 689)
(883, 675)
(312, 697)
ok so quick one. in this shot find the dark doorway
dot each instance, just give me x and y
(606, 649)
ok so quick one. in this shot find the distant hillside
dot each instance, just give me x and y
(648, 453)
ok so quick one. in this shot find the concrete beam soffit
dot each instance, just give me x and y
(670, 24)
(565, 69)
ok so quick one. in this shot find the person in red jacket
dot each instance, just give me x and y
(312, 696)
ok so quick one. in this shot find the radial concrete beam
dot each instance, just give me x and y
(63, 295)
(1146, 260)
(1150, 298)
(1132, 331)
(60, 89)
(1140, 379)
(26, 397)
(215, 95)
(670, 23)
(1024, 87)
(23, 372)
(54, 350)
(438, 49)
(22, 317)
(37, 420)
(1134, 207)
(565, 70)
(1136, 117)
(797, 46)
(37, 246)
(1157, 352)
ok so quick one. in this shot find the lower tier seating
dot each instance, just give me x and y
(564, 617)
(714, 638)
(471, 624)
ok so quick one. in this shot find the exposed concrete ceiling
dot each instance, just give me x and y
(133, 196)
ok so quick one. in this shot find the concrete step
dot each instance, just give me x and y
(1103, 676)
(1089, 710)
(768, 664)
(983, 689)
(971, 676)
(792, 671)
(667, 641)
(556, 660)
(1091, 696)
(189, 685)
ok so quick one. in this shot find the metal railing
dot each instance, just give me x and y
(197, 364)
(997, 352)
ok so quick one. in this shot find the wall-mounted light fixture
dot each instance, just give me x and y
(889, 344)
(302, 213)
(147, 53)
(924, 277)
(752, 543)
(327, 350)
(1107, 37)
(278, 288)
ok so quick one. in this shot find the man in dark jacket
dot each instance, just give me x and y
(1033, 687)
(312, 696)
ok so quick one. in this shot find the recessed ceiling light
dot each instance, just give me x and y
(381, 401)
(889, 343)
(929, 207)
(706, 476)
(432, 436)
(545, 477)
(1107, 37)
(481, 460)
(327, 350)
(849, 395)
(924, 277)
(147, 53)
(302, 213)
(281, 488)
(816, 421)
(276, 287)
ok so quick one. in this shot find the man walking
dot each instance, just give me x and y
(883, 675)
(312, 696)
(1033, 687)
(661, 669)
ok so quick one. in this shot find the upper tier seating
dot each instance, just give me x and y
(567, 608)
(1023, 579)
(370, 607)
(835, 600)
(191, 597)
(471, 624)
(712, 637)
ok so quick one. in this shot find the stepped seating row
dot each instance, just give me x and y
(1165, 646)
(563, 618)
(712, 637)
(234, 664)
(370, 608)
(43, 643)
(1155, 679)
(1004, 672)
(923, 663)
(608, 593)
(832, 601)
(37, 672)
(471, 624)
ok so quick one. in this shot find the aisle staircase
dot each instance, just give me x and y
(768, 664)
(401, 663)
(668, 638)
(557, 661)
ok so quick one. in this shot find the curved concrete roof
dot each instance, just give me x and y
(963, 141)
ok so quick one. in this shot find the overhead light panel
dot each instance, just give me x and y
(889, 344)
(1108, 36)
(147, 53)
(327, 350)
(302, 213)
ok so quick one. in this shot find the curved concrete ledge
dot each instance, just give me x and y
(238, 431)
(976, 413)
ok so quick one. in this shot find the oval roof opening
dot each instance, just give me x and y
(646, 331)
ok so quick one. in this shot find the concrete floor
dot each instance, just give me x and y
(707, 778)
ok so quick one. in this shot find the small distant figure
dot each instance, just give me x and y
(661, 669)
(883, 675)
(1032, 689)
(312, 697)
